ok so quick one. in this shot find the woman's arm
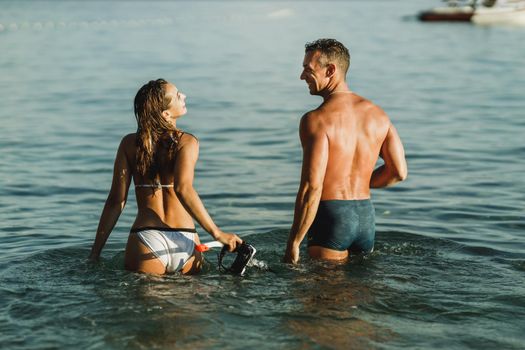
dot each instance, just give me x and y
(183, 183)
(116, 199)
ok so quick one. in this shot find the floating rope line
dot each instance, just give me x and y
(43, 25)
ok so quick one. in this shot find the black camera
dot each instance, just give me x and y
(245, 253)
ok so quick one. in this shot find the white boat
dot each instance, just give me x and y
(513, 15)
(485, 12)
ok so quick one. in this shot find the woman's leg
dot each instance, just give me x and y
(139, 258)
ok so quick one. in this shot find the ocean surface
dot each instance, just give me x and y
(448, 271)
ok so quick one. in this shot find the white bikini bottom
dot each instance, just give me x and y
(171, 246)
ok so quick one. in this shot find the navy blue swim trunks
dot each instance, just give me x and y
(344, 225)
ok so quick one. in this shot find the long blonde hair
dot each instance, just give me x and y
(157, 138)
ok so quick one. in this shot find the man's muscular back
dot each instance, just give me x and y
(354, 130)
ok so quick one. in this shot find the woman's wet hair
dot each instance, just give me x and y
(332, 51)
(157, 138)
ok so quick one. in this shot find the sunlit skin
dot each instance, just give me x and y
(175, 206)
(341, 140)
(177, 107)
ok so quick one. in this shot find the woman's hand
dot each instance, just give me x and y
(229, 239)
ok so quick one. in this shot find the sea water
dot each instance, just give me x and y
(449, 263)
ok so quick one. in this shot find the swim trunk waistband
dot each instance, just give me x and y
(366, 201)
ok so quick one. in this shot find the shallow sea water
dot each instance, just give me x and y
(448, 270)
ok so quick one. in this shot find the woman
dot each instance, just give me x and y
(161, 160)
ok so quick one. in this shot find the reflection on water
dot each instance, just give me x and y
(330, 315)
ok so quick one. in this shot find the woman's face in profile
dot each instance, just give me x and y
(177, 106)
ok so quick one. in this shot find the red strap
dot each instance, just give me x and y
(202, 248)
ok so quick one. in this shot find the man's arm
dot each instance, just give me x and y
(395, 167)
(315, 159)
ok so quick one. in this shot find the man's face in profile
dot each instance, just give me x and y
(313, 73)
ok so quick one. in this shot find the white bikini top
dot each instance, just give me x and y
(155, 185)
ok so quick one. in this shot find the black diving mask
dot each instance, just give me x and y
(245, 253)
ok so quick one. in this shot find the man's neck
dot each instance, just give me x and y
(337, 89)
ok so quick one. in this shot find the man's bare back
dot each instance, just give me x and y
(355, 130)
(342, 140)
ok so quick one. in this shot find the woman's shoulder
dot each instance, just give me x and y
(188, 143)
(188, 139)
(129, 140)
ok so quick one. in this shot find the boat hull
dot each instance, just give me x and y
(447, 14)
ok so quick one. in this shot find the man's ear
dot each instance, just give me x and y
(330, 70)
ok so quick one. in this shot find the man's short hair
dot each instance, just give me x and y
(332, 51)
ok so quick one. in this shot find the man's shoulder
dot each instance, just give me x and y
(314, 124)
(370, 110)
(312, 120)
(375, 121)
(315, 115)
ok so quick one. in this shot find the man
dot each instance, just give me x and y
(341, 140)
